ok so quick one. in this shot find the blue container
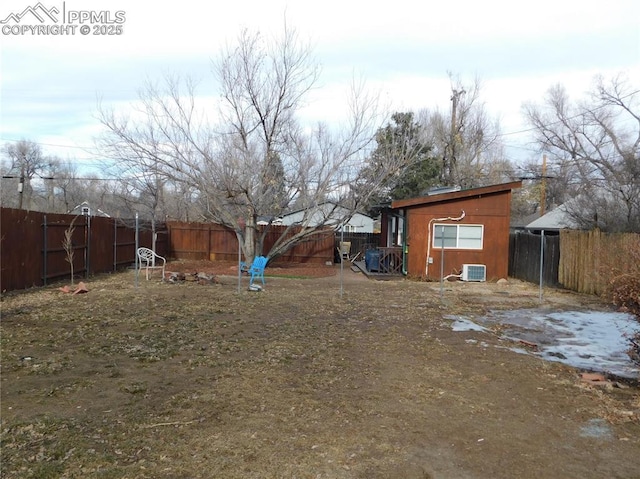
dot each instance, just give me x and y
(372, 260)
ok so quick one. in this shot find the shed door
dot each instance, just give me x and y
(416, 246)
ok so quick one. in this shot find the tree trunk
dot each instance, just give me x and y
(249, 246)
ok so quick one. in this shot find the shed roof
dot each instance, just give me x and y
(455, 195)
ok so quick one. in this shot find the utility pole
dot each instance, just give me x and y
(454, 137)
(21, 187)
(50, 189)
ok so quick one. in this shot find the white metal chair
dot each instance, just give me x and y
(149, 257)
(344, 249)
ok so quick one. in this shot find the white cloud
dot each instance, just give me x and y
(404, 50)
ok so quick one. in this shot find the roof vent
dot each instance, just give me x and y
(442, 189)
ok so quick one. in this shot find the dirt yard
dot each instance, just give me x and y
(297, 381)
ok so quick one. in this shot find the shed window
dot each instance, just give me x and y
(458, 236)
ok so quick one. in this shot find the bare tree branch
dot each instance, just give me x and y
(597, 141)
(257, 162)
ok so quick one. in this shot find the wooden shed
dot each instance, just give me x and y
(453, 233)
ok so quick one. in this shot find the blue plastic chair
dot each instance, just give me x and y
(256, 270)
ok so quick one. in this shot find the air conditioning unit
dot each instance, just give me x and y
(474, 272)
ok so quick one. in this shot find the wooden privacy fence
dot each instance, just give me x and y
(33, 253)
(582, 261)
(590, 259)
(209, 241)
(524, 257)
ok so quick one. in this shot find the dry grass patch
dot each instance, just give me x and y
(183, 380)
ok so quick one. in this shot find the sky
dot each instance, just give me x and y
(51, 85)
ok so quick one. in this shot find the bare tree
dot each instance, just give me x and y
(55, 177)
(24, 160)
(73, 189)
(466, 139)
(68, 245)
(597, 142)
(182, 202)
(258, 161)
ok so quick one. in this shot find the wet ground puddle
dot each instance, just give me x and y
(589, 340)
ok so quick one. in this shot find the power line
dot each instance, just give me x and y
(77, 178)
(48, 144)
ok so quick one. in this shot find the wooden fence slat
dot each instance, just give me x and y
(589, 259)
(524, 258)
(583, 261)
(208, 241)
(29, 238)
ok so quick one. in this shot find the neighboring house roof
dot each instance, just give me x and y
(268, 220)
(521, 222)
(448, 195)
(327, 213)
(555, 219)
(592, 202)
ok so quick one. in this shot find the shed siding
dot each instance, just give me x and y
(490, 210)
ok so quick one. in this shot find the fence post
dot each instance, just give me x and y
(136, 250)
(239, 261)
(541, 261)
(341, 260)
(87, 254)
(115, 246)
(44, 251)
(441, 265)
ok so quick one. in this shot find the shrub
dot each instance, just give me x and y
(624, 291)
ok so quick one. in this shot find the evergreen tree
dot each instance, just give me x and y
(402, 142)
